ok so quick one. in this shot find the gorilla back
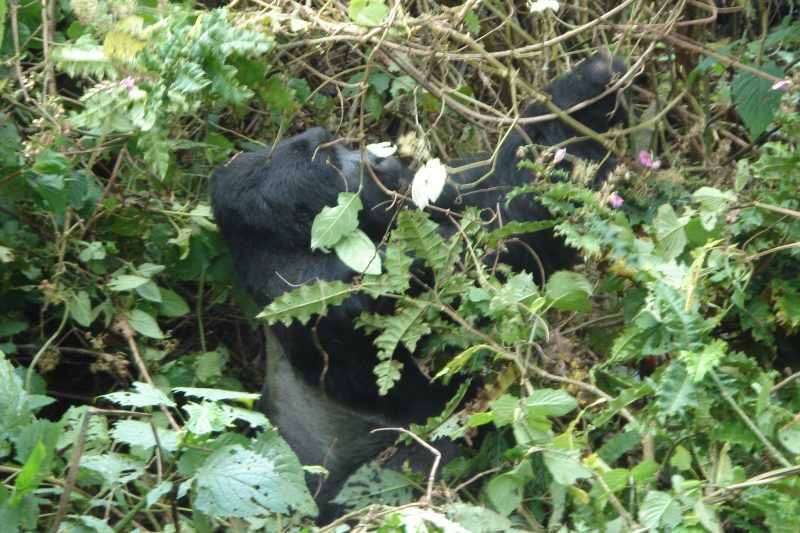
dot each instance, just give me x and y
(264, 203)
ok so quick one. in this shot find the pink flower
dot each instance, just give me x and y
(646, 160)
(615, 200)
(560, 154)
(129, 83)
(781, 85)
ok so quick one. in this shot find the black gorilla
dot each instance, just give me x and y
(265, 202)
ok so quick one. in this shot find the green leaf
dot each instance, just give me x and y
(368, 13)
(387, 373)
(238, 483)
(305, 301)
(754, 98)
(145, 324)
(565, 466)
(126, 282)
(14, 409)
(569, 291)
(516, 227)
(549, 402)
(371, 484)
(80, 309)
(660, 511)
(172, 304)
(139, 433)
(334, 223)
(357, 251)
(216, 395)
(418, 232)
(676, 393)
(505, 492)
(31, 474)
(149, 291)
(144, 395)
(457, 363)
(669, 232)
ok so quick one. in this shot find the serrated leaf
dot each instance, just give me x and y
(660, 511)
(143, 395)
(669, 232)
(388, 373)
(139, 433)
(505, 493)
(754, 98)
(372, 484)
(676, 392)
(549, 402)
(404, 326)
(238, 483)
(334, 223)
(416, 230)
(306, 301)
(357, 251)
(565, 466)
(516, 227)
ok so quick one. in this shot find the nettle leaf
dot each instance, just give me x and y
(549, 402)
(80, 309)
(238, 483)
(565, 466)
(334, 223)
(629, 345)
(306, 301)
(207, 417)
(357, 251)
(293, 478)
(660, 511)
(505, 492)
(139, 433)
(372, 484)
(172, 304)
(669, 232)
(144, 324)
(144, 395)
(754, 98)
(569, 291)
(713, 203)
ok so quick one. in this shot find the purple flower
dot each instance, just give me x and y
(615, 200)
(560, 154)
(646, 160)
(781, 85)
(129, 83)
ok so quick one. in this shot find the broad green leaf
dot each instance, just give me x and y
(14, 409)
(660, 511)
(207, 417)
(505, 493)
(80, 309)
(115, 468)
(238, 483)
(149, 291)
(457, 363)
(372, 484)
(357, 251)
(569, 291)
(140, 433)
(565, 466)
(676, 393)
(144, 323)
(669, 232)
(334, 223)
(162, 489)
(126, 282)
(549, 402)
(172, 304)
(144, 395)
(754, 98)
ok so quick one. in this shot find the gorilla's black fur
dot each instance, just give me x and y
(264, 203)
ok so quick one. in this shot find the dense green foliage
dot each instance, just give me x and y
(654, 388)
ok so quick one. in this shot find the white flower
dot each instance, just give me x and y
(561, 153)
(540, 5)
(428, 183)
(382, 149)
